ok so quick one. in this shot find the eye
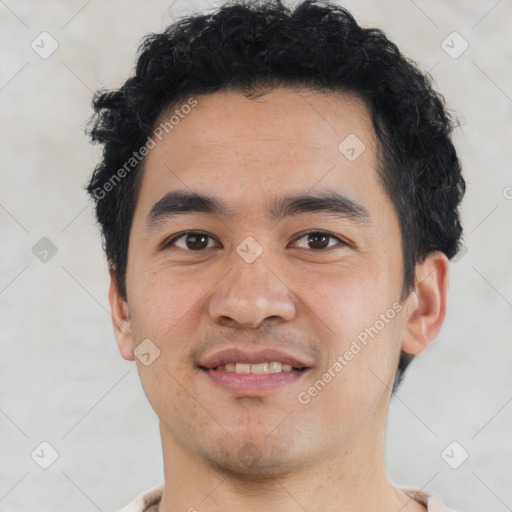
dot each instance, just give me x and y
(320, 239)
(192, 241)
(196, 241)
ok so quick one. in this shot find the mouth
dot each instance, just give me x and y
(253, 380)
(246, 373)
(263, 368)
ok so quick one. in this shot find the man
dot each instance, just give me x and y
(278, 198)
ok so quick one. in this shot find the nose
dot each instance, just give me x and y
(250, 294)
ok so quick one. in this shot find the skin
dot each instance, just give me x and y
(328, 454)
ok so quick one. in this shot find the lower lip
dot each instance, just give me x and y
(250, 382)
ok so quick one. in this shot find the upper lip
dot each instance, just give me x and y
(236, 355)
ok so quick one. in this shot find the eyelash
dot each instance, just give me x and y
(171, 242)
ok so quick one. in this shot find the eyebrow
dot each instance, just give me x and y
(183, 202)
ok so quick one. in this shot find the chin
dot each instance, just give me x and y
(249, 465)
(254, 460)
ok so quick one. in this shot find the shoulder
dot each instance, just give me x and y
(145, 502)
(431, 500)
(148, 500)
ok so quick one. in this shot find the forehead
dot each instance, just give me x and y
(247, 149)
(311, 119)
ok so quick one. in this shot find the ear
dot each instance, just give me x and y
(426, 306)
(121, 320)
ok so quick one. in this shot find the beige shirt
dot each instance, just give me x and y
(148, 501)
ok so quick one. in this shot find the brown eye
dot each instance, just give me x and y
(192, 241)
(318, 240)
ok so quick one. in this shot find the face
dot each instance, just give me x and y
(316, 284)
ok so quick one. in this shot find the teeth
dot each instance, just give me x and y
(258, 368)
(243, 368)
(275, 367)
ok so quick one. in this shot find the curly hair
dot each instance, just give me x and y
(250, 46)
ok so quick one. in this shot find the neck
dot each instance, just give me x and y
(350, 479)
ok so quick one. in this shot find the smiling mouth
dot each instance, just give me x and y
(257, 368)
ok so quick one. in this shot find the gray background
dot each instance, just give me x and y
(61, 378)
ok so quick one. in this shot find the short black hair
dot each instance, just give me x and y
(253, 46)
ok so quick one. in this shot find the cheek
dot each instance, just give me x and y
(359, 321)
(166, 304)
(344, 297)
(166, 298)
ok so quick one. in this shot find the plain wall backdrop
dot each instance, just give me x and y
(62, 380)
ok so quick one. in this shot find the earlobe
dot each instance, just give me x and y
(121, 320)
(426, 306)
